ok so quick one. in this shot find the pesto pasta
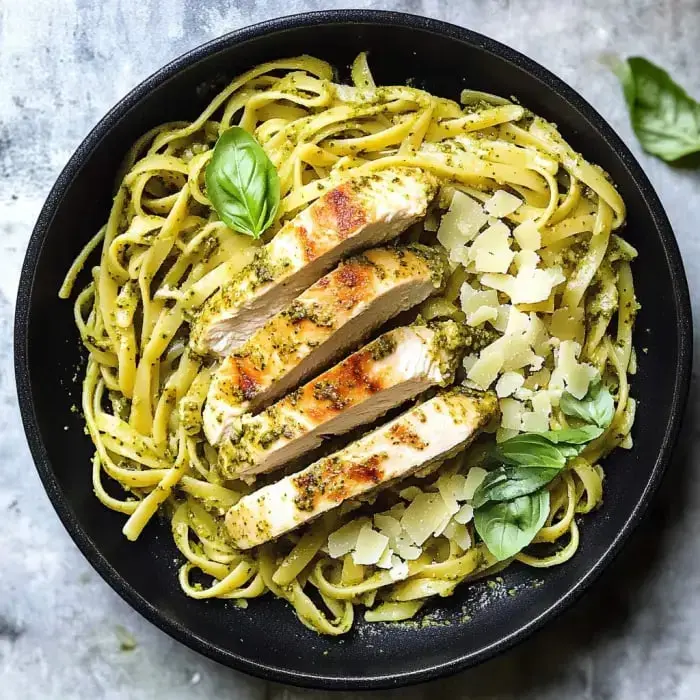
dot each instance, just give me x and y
(537, 268)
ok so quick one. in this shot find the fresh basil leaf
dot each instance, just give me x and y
(509, 482)
(242, 183)
(508, 527)
(664, 117)
(532, 450)
(574, 436)
(597, 406)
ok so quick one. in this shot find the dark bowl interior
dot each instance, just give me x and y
(266, 639)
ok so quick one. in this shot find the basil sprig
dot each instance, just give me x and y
(596, 407)
(509, 526)
(665, 118)
(512, 503)
(242, 183)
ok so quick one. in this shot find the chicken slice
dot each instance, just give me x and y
(330, 317)
(424, 435)
(363, 212)
(384, 374)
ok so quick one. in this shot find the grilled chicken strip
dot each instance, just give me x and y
(330, 317)
(363, 212)
(384, 374)
(425, 434)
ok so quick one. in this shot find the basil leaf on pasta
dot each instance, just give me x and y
(532, 450)
(597, 406)
(242, 183)
(573, 436)
(507, 483)
(664, 117)
(507, 527)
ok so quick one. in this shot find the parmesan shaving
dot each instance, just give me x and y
(458, 534)
(344, 539)
(511, 414)
(370, 546)
(462, 222)
(424, 516)
(528, 235)
(507, 383)
(502, 203)
(474, 478)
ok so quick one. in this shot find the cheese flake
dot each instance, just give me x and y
(424, 516)
(474, 478)
(507, 383)
(528, 235)
(486, 368)
(481, 315)
(344, 539)
(370, 546)
(462, 221)
(511, 413)
(502, 203)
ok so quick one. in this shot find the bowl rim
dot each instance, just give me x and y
(40, 455)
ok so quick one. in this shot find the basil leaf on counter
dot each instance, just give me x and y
(508, 527)
(507, 483)
(597, 406)
(664, 117)
(242, 183)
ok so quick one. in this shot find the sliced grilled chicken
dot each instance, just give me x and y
(429, 432)
(363, 212)
(326, 320)
(384, 374)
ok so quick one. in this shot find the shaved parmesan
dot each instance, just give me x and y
(399, 569)
(447, 491)
(569, 373)
(507, 383)
(474, 478)
(526, 259)
(518, 322)
(487, 367)
(464, 514)
(517, 352)
(511, 413)
(344, 539)
(387, 525)
(529, 286)
(491, 249)
(481, 315)
(542, 402)
(502, 203)
(458, 533)
(471, 300)
(406, 549)
(462, 222)
(528, 235)
(370, 546)
(568, 324)
(385, 560)
(501, 322)
(424, 516)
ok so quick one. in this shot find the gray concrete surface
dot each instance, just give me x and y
(63, 63)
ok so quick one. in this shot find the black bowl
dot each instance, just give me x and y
(266, 639)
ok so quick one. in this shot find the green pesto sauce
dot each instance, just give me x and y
(382, 347)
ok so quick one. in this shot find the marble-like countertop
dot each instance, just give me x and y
(636, 635)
